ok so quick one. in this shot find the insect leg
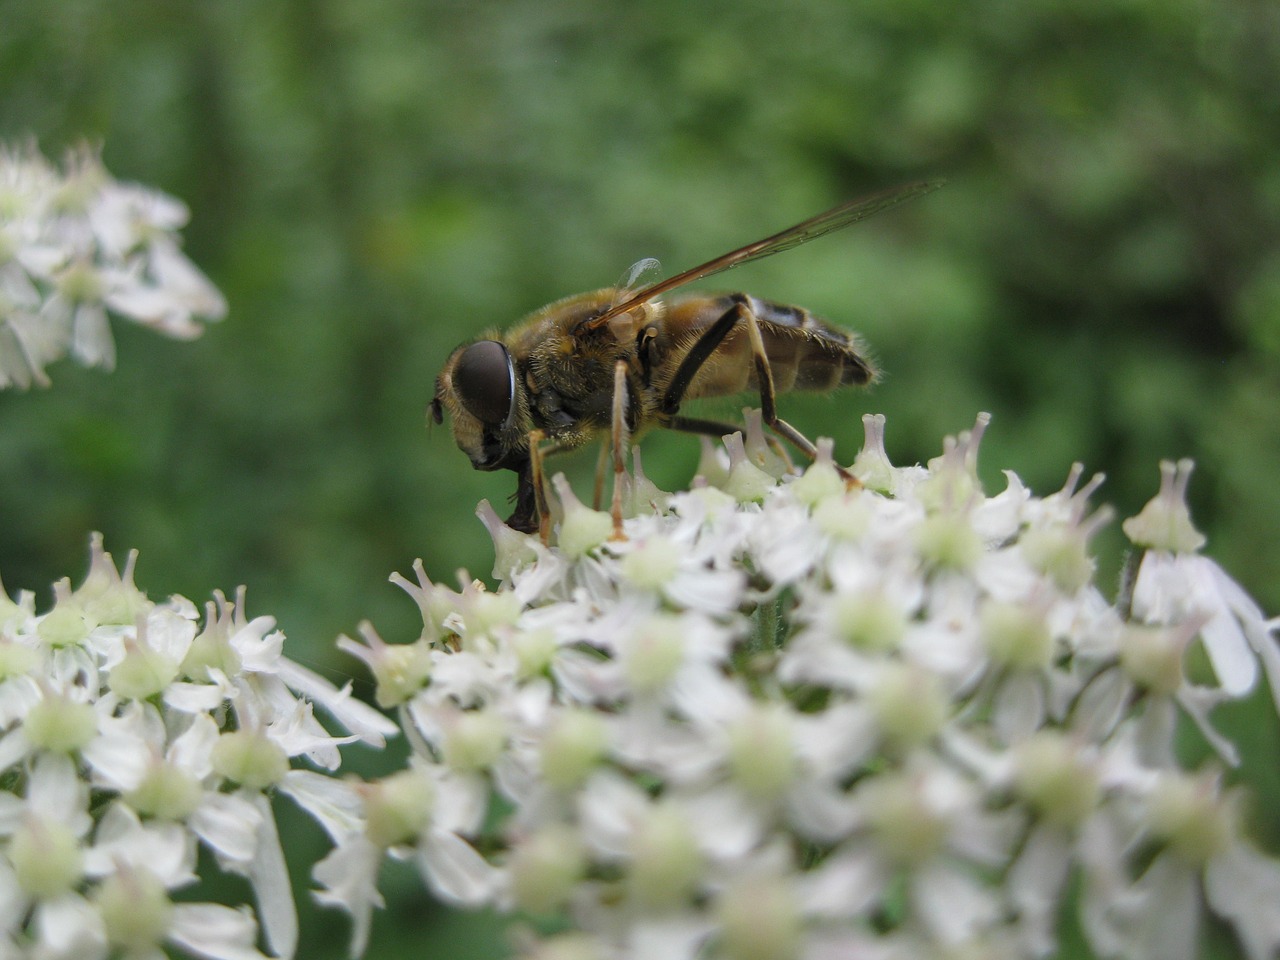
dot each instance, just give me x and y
(524, 518)
(696, 357)
(768, 395)
(711, 428)
(619, 442)
(768, 398)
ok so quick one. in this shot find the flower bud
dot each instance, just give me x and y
(1189, 814)
(867, 620)
(249, 758)
(906, 828)
(762, 755)
(1152, 657)
(948, 541)
(909, 703)
(135, 909)
(746, 483)
(46, 858)
(821, 481)
(474, 740)
(573, 747)
(582, 529)
(60, 725)
(1057, 779)
(653, 563)
(398, 807)
(546, 867)
(654, 653)
(166, 792)
(759, 919)
(1016, 635)
(1165, 522)
(666, 863)
(142, 673)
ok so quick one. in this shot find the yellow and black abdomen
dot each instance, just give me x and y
(804, 351)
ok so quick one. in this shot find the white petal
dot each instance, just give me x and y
(821, 811)
(1233, 661)
(120, 761)
(356, 717)
(13, 901)
(1019, 707)
(55, 792)
(194, 698)
(1169, 925)
(1036, 882)
(193, 748)
(348, 877)
(725, 825)
(670, 938)
(165, 849)
(214, 931)
(269, 874)
(846, 885)
(953, 905)
(69, 928)
(228, 824)
(455, 871)
(1243, 886)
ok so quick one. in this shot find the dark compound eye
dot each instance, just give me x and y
(485, 381)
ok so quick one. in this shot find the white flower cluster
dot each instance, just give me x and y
(76, 244)
(131, 735)
(801, 718)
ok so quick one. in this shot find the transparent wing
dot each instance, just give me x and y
(627, 283)
(834, 219)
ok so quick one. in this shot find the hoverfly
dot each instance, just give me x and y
(554, 376)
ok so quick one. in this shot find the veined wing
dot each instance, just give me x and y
(834, 219)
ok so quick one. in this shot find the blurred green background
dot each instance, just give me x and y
(373, 182)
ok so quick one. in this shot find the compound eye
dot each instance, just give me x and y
(486, 382)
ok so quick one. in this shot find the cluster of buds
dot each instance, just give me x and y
(789, 716)
(75, 244)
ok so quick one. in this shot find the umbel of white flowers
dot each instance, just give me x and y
(76, 244)
(786, 718)
(132, 735)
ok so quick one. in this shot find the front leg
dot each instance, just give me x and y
(525, 516)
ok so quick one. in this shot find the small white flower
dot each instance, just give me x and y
(1175, 583)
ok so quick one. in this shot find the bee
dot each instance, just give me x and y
(567, 373)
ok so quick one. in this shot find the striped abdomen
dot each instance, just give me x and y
(805, 352)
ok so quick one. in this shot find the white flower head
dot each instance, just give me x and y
(76, 246)
(131, 736)
(761, 712)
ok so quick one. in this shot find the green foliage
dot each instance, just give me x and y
(372, 183)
